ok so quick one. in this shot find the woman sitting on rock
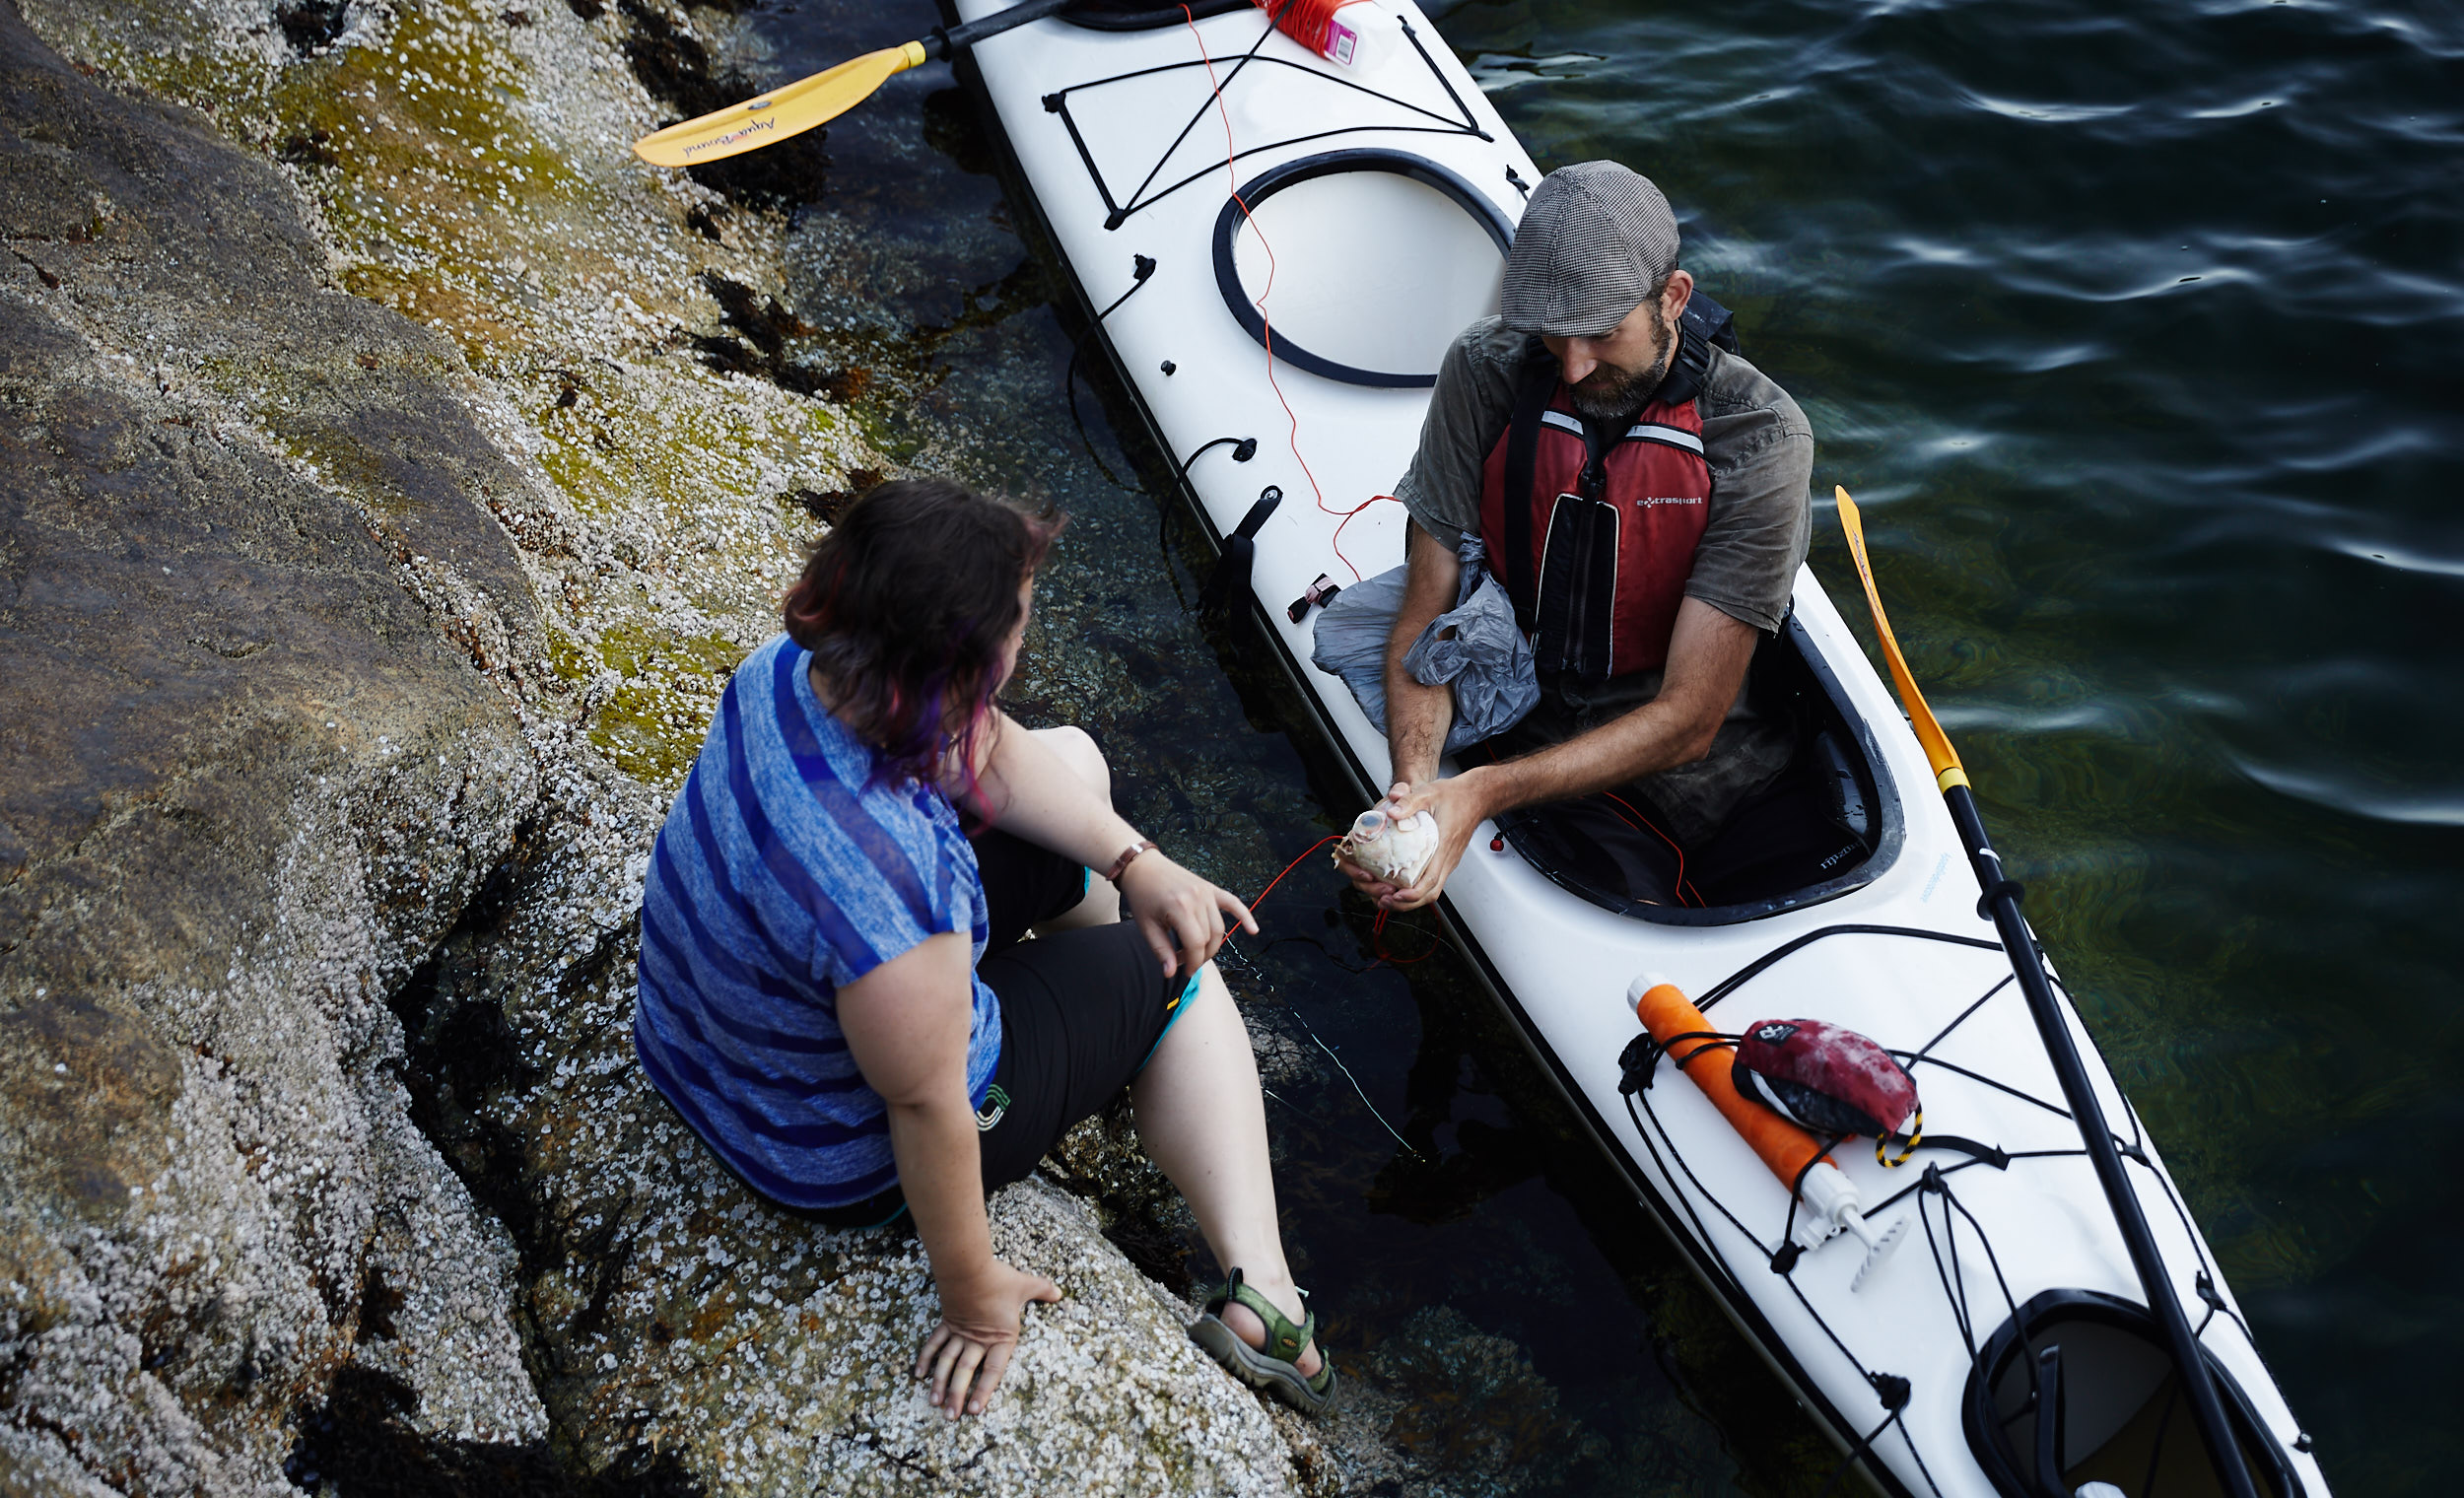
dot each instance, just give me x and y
(835, 991)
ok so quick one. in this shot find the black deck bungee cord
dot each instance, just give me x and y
(1754, 969)
(1117, 211)
(1243, 450)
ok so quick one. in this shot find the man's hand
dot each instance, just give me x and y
(1177, 909)
(1459, 804)
(968, 1352)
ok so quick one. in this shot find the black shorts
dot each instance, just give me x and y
(1081, 1011)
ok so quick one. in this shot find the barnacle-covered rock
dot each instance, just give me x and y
(391, 469)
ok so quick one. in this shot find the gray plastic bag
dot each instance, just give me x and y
(1475, 647)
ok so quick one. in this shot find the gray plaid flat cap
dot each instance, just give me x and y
(1596, 238)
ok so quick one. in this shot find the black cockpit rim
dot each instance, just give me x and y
(1889, 837)
(1237, 208)
(1981, 1422)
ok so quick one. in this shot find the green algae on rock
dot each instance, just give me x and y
(377, 1150)
(470, 173)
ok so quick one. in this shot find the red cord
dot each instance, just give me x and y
(1377, 932)
(1289, 867)
(1305, 21)
(1231, 168)
(1682, 888)
(1377, 939)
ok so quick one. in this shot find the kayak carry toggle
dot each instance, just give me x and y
(1830, 1200)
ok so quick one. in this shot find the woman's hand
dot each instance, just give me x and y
(968, 1352)
(1176, 909)
(906, 1024)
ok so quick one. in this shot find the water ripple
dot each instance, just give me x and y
(2383, 804)
(2048, 113)
(2394, 556)
(2135, 329)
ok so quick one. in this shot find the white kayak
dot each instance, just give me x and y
(1380, 197)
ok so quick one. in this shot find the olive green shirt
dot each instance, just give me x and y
(1760, 453)
(1759, 447)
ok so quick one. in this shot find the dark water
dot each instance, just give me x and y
(2137, 331)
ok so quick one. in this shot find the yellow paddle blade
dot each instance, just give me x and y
(1937, 750)
(779, 113)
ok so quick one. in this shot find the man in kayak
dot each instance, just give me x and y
(1641, 491)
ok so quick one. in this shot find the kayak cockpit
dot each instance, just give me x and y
(2078, 1389)
(1831, 823)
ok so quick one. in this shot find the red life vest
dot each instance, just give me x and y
(1592, 533)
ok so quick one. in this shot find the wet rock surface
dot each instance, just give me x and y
(260, 746)
(673, 1316)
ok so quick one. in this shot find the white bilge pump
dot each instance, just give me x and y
(1303, 236)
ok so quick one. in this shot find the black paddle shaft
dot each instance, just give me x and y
(949, 39)
(2002, 900)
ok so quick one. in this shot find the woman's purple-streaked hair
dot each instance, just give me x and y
(905, 605)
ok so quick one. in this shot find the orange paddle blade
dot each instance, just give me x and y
(779, 113)
(1937, 750)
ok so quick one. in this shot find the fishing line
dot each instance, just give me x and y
(1240, 960)
(1357, 1088)
(1302, 1021)
(1298, 1018)
(1320, 1121)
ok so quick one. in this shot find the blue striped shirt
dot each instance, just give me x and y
(788, 869)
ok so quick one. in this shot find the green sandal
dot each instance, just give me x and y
(1273, 1369)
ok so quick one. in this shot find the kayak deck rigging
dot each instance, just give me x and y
(1145, 195)
(1992, 1359)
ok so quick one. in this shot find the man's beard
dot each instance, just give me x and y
(1608, 395)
